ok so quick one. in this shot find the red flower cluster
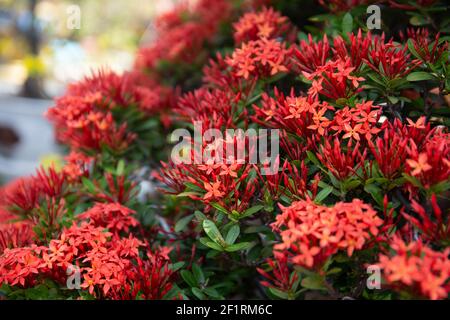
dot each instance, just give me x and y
(111, 216)
(182, 34)
(416, 268)
(39, 200)
(308, 56)
(430, 163)
(434, 224)
(266, 23)
(356, 49)
(279, 277)
(259, 59)
(13, 234)
(389, 59)
(428, 50)
(213, 108)
(76, 166)
(84, 118)
(19, 266)
(342, 161)
(110, 266)
(334, 80)
(303, 116)
(360, 121)
(391, 149)
(227, 184)
(313, 233)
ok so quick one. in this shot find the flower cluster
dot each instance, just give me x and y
(110, 266)
(312, 156)
(334, 80)
(259, 59)
(389, 59)
(313, 233)
(416, 268)
(267, 23)
(85, 117)
(182, 34)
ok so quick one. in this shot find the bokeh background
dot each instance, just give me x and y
(40, 54)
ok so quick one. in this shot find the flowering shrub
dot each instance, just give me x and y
(357, 179)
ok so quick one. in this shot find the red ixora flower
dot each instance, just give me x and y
(390, 60)
(77, 166)
(266, 23)
(304, 116)
(224, 181)
(358, 122)
(432, 221)
(111, 267)
(112, 216)
(19, 266)
(15, 235)
(429, 50)
(342, 160)
(84, 119)
(416, 268)
(335, 80)
(259, 59)
(357, 48)
(430, 163)
(38, 200)
(312, 232)
(182, 33)
(278, 276)
(308, 56)
(214, 108)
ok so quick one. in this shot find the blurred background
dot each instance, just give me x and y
(46, 44)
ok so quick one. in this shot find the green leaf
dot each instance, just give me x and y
(213, 293)
(413, 180)
(251, 211)
(419, 76)
(375, 192)
(312, 157)
(418, 21)
(187, 194)
(89, 185)
(199, 216)
(219, 207)
(233, 234)
(279, 294)
(347, 24)
(198, 293)
(183, 222)
(198, 273)
(120, 167)
(313, 282)
(194, 187)
(238, 246)
(412, 49)
(392, 99)
(214, 246)
(334, 271)
(323, 194)
(213, 232)
(188, 277)
(352, 184)
(177, 266)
